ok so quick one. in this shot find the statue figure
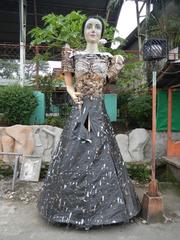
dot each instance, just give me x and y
(87, 182)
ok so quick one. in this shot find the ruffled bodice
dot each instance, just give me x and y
(92, 71)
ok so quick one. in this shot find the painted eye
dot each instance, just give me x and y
(98, 26)
(89, 26)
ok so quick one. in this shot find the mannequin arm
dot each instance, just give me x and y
(70, 89)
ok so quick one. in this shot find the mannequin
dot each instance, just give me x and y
(87, 182)
(92, 32)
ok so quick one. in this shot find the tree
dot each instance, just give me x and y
(164, 22)
(30, 68)
(9, 68)
(59, 29)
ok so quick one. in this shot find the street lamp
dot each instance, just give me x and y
(154, 49)
(152, 205)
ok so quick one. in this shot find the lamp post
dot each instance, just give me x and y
(22, 18)
(152, 204)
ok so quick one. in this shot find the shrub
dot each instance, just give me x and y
(135, 109)
(17, 104)
(5, 170)
(140, 109)
(122, 102)
(59, 121)
(139, 171)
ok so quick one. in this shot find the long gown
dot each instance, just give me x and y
(87, 182)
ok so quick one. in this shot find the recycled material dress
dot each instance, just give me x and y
(87, 182)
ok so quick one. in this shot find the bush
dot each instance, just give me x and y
(59, 121)
(55, 121)
(5, 170)
(139, 172)
(135, 109)
(17, 104)
(140, 109)
(122, 102)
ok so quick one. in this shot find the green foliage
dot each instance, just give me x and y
(17, 104)
(59, 121)
(161, 25)
(59, 29)
(46, 85)
(164, 173)
(134, 100)
(140, 109)
(30, 68)
(122, 102)
(55, 121)
(135, 109)
(132, 75)
(5, 170)
(9, 68)
(140, 172)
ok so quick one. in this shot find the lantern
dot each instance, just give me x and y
(154, 49)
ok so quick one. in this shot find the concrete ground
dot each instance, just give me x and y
(20, 221)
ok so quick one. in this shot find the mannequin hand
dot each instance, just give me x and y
(76, 96)
(119, 61)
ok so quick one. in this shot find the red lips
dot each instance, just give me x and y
(92, 34)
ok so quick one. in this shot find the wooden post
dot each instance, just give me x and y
(152, 205)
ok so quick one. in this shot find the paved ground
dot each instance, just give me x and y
(20, 221)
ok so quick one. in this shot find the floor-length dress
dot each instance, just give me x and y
(87, 182)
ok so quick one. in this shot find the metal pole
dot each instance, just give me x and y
(22, 18)
(154, 120)
(16, 163)
(153, 188)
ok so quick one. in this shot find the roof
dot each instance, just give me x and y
(169, 76)
(9, 17)
(131, 41)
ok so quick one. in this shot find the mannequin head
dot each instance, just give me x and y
(92, 29)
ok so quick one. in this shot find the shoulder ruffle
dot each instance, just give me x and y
(67, 59)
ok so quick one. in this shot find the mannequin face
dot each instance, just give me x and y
(92, 30)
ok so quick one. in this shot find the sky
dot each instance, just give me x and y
(127, 21)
